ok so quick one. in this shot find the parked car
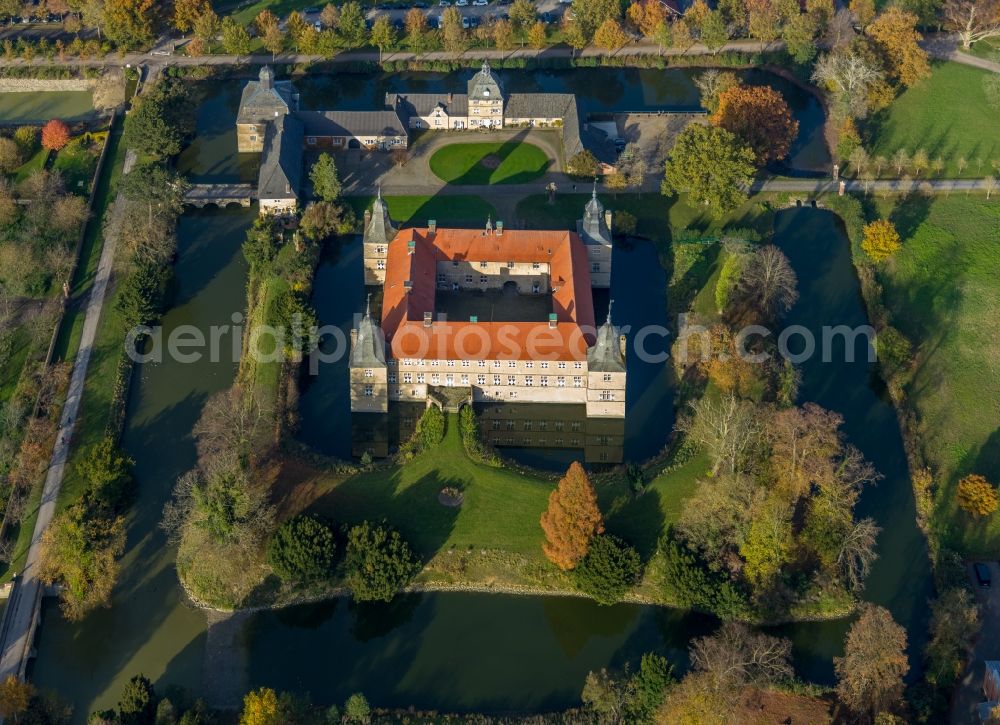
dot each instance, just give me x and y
(466, 23)
(481, 3)
(420, 6)
(444, 4)
(461, 3)
(983, 575)
(473, 22)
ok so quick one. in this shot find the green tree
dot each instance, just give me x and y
(235, 38)
(714, 31)
(610, 568)
(160, 120)
(140, 298)
(583, 164)
(383, 34)
(15, 697)
(130, 23)
(351, 27)
(799, 34)
(357, 709)
(137, 704)
(712, 166)
(378, 562)
(591, 14)
(431, 427)
(322, 219)
(323, 176)
(108, 474)
(523, 15)
(302, 549)
(454, 36)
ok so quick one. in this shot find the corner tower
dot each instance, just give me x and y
(606, 373)
(485, 99)
(595, 231)
(369, 373)
(379, 231)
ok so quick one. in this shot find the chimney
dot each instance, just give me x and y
(499, 227)
(428, 318)
(411, 247)
(432, 225)
(473, 319)
(450, 96)
(407, 286)
(552, 320)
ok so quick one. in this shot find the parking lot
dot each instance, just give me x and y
(548, 10)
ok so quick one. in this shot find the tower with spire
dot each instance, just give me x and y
(606, 372)
(378, 232)
(369, 372)
(595, 232)
(486, 100)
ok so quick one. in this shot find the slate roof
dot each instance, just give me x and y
(484, 85)
(369, 345)
(423, 104)
(281, 162)
(352, 123)
(606, 354)
(380, 229)
(593, 228)
(549, 105)
(266, 99)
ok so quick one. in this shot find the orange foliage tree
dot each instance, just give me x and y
(760, 117)
(572, 519)
(55, 135)
(976, 495)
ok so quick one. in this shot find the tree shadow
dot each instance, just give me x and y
(481, 174)
(637, 519)
(909, 212)
(988, 459)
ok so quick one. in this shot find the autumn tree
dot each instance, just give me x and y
(591, 14)
(235, 38)
(976, 495)
(712, 165)
(863, 11)
(647, 16)
(895, 33)
(187, 12)
(15, 696)
(572, 519)
(502, 33)
(523, 15)
(329, 16)
(880, 240)
(712, 84)
(130, 23)
(454, 36)
(610, 35)
(972, 20)
(55, 135)
(870, 674)
(416, 30)
(759, 116)
(383, 34)
(538, 35)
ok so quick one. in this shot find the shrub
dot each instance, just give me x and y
(301, 549)
(357, 709)
(583, 164)
(27, 138)
(431, 427)
(625, 223)
(608, 570)
(881, 240)
(689, 582)
(976, 495)
(378, 562)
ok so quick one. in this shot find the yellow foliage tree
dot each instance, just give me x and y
(610, 35)
(15, 696)
(881, 240)
(572, 519)
(260, 707)
(895, 32)
(537, 36)
(977, 496)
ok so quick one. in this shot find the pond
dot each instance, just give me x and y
(41, 106)
(455, 651)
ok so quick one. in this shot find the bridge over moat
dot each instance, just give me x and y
(200, 195)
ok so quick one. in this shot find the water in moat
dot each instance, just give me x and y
(452, 651)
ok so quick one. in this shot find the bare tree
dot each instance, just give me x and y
(972, 20)
(736, 656)
(731, 430)
(848, 76)
(857, 553)
(769, 282)
(990, 184)
(231, 427)
(840, 31)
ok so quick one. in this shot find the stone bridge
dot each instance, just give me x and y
(221, 195)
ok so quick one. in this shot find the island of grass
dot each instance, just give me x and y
(509, 162)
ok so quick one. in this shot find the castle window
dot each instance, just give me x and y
(407, 377)
(543, 425)
(596, 267)
(561, 381)
(465, 380)
(253, 138)
(420, 378)
(480, 380)
(562, 366)
(510, 265)
(529, 381)
(468, 279)
(496, 363)
(380, 250)
(442, 279)
(369, 391)
(512, 363)
(544, 381)
(560, 425)
(510, 423)
(577, 382)
(451, 363)
(311, 140)
(392, 377)
(369, 373)
(575, 425)
(578, 366)
(449, 380)
(496, 425)
(545, 365)
(435, 379)
(465, 363)
(380, 264)
(511, 380)
(483, 279)
(607, 395)
(559, 441)
(607, 377)
(482, 363)
(496, 379)
(536, 265)
(513, 393)
(527, 425)
(484, 265)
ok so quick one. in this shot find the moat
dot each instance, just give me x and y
(428, 650)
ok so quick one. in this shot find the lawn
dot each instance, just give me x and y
(511, 162)
(943, 294)
(947, 116)
(35, 163)
(78, 160)
(417, 210)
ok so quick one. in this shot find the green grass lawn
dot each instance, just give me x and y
(36, 162)
(417, 210)
(78, 160)
(947, 116)
(511, 162)
(989, 49)
(10, 372)
(943, 292)
(501, 507)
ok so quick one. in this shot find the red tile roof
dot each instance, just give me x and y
(411, 280)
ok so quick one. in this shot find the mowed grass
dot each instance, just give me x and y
(947, 116)
(501, 507)
(511, 162)
(418, 210)
(943, 293)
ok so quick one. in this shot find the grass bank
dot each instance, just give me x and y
(941, 291)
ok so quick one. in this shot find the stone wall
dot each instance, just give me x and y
(33, 85)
